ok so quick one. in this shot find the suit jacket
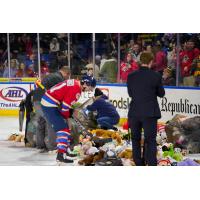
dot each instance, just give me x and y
(144, 85)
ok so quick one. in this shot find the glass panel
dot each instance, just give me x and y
(53, 52)
(106, 56)
(23, 55)
(3, 55)
(81, 53)
(159, 44)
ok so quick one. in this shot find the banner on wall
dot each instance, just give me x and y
(176, 101)
(11, 94)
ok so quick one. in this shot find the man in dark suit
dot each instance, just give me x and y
(144, 86)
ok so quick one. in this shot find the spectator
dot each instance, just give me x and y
(20, 70)
(103, 60)
(187, 57)
(28, 45)
(196, 71)
(1, 70)
(90, 69)
(171, 57)
(31, 65)
(148, 49)
(13, 69)
(127, 67)
(44, 69)
(167, 78)
(135, 51)
(109, 70)
(160, 59)
(54, 45)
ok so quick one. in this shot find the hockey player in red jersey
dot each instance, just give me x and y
(56, 105)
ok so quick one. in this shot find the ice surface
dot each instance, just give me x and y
(14, 153)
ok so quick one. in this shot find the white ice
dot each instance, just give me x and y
(15, 153)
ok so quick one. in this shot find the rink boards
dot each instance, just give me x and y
(178, 100)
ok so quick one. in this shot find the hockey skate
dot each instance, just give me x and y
(61, 160)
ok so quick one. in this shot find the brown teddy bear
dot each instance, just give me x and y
(12, 137)
(127, 153)
(91, 159)
(107, 134)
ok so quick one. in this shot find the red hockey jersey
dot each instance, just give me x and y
(62, 95)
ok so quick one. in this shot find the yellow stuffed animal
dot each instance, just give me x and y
(127, 153)
(18, 138)
(107, 134)
(12, 137)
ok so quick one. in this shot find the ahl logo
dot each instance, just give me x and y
(13, 94)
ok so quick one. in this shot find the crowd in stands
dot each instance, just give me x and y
(54, 53)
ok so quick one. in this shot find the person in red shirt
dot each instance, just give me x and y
(187, 57)
(160, 59)
(127, 67)
(56, 104)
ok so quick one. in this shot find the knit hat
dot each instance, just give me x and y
(98, 92)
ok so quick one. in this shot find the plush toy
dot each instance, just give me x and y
(188, 162)
(77, 150)
(127, 162)
(127, 153)
(161, 137)
(92, 151)
(86, 145)
(91, 159)
(126, 126)
(175, 155)
(107, 134)
(159, 152)
(16, 137)
(173, 128)
(164, 162)
(19, 138)
(12, 137)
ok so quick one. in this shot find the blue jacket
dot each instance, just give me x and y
(104, 108)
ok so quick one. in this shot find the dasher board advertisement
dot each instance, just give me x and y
(177, 100)
(11, 94)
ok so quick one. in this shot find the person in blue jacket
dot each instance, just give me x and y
(107, 115)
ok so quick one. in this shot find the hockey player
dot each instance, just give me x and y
(56, 105)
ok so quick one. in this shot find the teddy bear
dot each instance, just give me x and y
(12, 137)
(107, 134)
(92, 159)
(127, 153)
(19, 138)
(16, 137)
